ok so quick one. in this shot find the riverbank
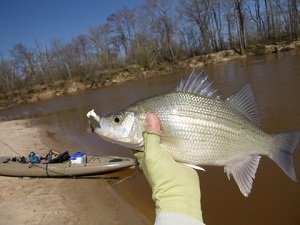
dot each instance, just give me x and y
(117, 76)
(55, 201)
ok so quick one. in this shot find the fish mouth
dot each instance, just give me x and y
(95, 117)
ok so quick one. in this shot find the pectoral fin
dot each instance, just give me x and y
(194, 167)
(243, 173)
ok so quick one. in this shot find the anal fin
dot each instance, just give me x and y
(243, 173)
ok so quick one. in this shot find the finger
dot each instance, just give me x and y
(152, 123)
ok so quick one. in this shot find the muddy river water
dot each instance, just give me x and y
(275, 199)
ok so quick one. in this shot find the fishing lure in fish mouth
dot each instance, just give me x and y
(90, 128)
(200, 128)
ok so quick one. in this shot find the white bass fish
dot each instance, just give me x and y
(199, 128)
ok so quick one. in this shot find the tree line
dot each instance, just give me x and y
(155, 32)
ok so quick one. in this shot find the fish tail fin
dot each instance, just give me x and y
(285, 145)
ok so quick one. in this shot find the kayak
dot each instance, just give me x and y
(93, 165)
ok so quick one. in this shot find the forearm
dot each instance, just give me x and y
(177, 188)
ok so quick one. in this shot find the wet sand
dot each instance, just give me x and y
(55, 201)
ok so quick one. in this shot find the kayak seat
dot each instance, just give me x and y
(65, 156)
(115, 160)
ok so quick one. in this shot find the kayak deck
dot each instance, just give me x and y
(94, 165)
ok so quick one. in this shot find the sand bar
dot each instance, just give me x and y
(55, 201)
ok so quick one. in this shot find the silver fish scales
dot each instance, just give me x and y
(203, 131)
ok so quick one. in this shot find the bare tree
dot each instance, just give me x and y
(66, 59)
(189, 36)
(44, 62)
(197, 13)
(294, 17)
(160, 12)
(123, 25)
(104, 44)
(216, 31)
(95, 36)
(8, 75)
(82, 47)
(270, 20)
(26, 61)
(256, 17)
(239, 14)
(230, 24)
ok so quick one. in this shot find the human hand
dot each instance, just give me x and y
(175, 187)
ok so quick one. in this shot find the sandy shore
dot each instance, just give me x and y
(55, 201)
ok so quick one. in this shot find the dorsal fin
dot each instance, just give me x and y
(198, 84)
(244, 101)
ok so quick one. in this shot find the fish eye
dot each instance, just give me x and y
(117, 119)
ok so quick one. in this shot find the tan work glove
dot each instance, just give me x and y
(175, 186)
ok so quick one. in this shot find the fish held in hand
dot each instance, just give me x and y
(199, 128)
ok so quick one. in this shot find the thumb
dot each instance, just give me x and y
(152, 123)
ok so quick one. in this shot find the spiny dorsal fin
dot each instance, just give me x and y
(244, 173)
(198, 84)
(244, 101)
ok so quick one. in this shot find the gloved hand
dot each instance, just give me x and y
(175, 186)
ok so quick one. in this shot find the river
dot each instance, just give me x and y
(275, 199)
